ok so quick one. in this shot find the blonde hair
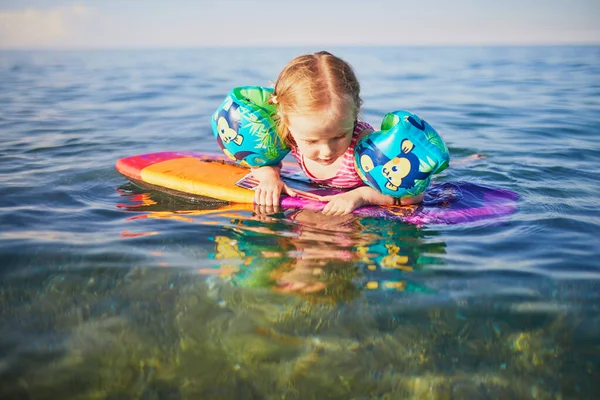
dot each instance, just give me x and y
(311, 83)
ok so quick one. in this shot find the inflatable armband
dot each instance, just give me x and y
(245, 130)
(400, 159)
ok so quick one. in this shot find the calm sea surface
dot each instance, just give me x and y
(110, 291)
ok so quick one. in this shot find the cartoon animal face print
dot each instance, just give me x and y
(395, 170)
(403, 170)
(227, 134)
(399, 172)
(400, 166)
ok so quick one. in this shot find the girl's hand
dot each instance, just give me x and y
(343, 203)
(268, 192)
(270, 186)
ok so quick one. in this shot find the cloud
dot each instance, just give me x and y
(33, 27)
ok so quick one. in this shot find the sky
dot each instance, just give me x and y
(94, 24)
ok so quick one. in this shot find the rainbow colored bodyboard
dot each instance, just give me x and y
(202, 175)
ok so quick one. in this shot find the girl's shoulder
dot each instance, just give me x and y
(363, 129)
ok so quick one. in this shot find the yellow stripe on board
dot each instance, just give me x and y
(204, 178)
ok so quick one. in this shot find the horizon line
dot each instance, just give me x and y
(283, 46)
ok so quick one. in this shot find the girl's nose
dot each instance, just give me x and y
(325, 151)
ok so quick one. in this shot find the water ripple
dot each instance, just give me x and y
(87, 257)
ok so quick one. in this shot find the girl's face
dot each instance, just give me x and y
(320, 140)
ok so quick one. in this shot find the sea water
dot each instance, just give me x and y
(108, 290)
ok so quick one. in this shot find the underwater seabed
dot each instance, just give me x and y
(286, 306)
(167, 333)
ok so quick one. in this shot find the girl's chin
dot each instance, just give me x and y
(327, 161)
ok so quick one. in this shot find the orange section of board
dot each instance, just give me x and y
(204, 178)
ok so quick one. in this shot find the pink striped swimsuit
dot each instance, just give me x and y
(346, 176)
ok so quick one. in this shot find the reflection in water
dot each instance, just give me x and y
(332, 258)
(327, 254)
(280, 305)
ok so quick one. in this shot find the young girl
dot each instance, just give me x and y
(317, 97)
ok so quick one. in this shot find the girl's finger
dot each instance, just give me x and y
(275, 198)
(341, 210)
(329, 209)
(257, 196)
(288, 190)
(268, 198)
(263, 197)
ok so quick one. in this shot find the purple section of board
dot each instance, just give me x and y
(444, 203)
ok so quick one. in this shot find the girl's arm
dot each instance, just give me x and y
(373, 197)
(345, 203)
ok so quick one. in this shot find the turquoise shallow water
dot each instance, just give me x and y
(111, 291)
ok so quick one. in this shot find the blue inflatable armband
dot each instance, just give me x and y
(245, 130)
(400, 159)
